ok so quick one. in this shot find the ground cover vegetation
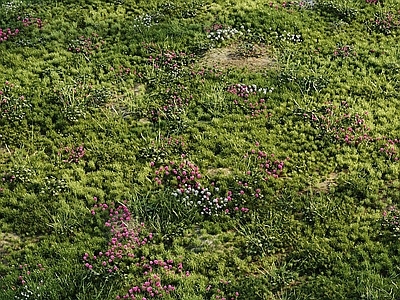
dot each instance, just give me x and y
(199, 149)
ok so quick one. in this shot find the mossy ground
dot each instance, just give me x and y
(249, 149)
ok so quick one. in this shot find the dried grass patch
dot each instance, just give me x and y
(325, 185)
(219, 171)
(232, 57)
(8, 242)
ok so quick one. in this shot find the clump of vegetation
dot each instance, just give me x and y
(13, 107)
(199, 150)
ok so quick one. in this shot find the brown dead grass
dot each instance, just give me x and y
(230, 57)
(219, 171)
(8, 243)
(119, 102)
(327, 183)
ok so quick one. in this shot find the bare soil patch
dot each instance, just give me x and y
(232, 56)
(123, 103)
(327, 183)
(219, 171)
(8, 242)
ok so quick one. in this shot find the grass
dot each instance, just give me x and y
(199, 150)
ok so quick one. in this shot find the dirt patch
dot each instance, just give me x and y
(144, 121)
(8, 242)
(219, 243)
(123, 103)
(5, 154)
(327, 183)
(233, 57)
(219, 171)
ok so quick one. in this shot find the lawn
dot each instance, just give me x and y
(199, 149)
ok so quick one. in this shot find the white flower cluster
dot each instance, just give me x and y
(146, 20)
(254, 89)
(11, 6)
(244, 90)
(220, 35)
(288, 37)
(201, 198)
(307, 3)
(27, 294)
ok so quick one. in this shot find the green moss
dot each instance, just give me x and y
(317, 230)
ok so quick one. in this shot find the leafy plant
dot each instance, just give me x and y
(13, 107)
(384, 22)
(390, 221)
(337, 10)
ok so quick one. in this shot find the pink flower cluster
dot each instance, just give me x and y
(12, 107)
(214, 27)
(183, 179)
(126, 236)
(22, 279)
(243, 92)
(264, 165)
(390, 149)
(385, 22)
(171, 109)
(204, 73)
(121, 71)
(73, 155)
(177, 174)
(391, 221)
(6, 34)
(172, 62)
(174, 104)
(151, 288)
(8, 178)
(287, 5)
(32, 21)
(124, 251)
(338, 123)
(86, 45)
(344, 51)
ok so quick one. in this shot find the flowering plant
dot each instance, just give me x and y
(13, 107)
(384, 23)
(391, 221)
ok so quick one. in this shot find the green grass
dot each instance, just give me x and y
(292, 191)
